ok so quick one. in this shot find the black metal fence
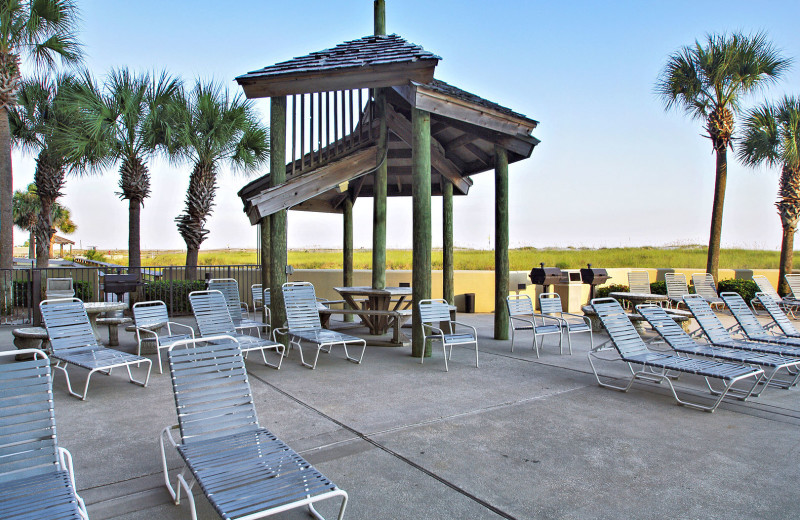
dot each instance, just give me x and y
(165, 283)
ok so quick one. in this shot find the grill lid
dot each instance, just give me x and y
(594, 275)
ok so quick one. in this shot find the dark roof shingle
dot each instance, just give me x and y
(450, 90)
(364, 52)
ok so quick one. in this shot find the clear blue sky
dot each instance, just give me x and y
(612, 168)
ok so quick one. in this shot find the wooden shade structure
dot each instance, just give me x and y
(367, 119)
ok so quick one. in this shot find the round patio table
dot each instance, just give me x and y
(95, 309)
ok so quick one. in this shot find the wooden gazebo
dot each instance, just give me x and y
(367, 119)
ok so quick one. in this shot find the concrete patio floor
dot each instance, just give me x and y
(519, 437)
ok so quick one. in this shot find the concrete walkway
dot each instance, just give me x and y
(519, 437)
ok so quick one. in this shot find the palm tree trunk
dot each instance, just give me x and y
(199, 204)
(787, 252)
(134, 248)
(134, 181)
(31, 245)
(6, 217)
(712, 266)
(44, 233)
(192, 253)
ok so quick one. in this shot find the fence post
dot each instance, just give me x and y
(171, 300)
(36, 296)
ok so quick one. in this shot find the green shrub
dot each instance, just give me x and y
(602, 292)
(658, 287)
(747, 289)
(97, 256)
(160, 290)
(82, 290)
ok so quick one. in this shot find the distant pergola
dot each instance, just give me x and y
(367, 119)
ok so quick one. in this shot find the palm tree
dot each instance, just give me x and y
(707, 82)
(41, 31)
(35, 123)
(213, 127)
(27, 209)
(772, 137)
(122, 122)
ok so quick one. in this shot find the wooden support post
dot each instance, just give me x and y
(264, 228)
(380, 17)
(448, 288)
(379, 197)
(421, 221)
(500, 242)
(277, 170)
(382, 173)
(347, 249)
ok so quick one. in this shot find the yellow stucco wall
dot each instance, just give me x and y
(482, 283)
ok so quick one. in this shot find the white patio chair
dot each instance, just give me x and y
(523, 317)
(550, 304)
(437, 326)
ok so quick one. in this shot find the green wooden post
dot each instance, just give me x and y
(381, 174)
(448, 286)
(347, 248)
(500, 242)
(421, 221)
(277, 170)
(264, 228)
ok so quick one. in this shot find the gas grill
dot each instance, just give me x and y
(120, 284)
(545, 276)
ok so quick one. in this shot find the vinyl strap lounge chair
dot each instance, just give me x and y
(74, 343)
(790, 305)
(303, 324)
(718, 335)
(682, 343)
(213, 319)
(36, 476)
(676, 288)
(658, 366)
(749, 324)
(779, 319)
(244, 470)
(705, 286)
(229, 288)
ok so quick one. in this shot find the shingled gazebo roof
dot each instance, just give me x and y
(464, 131)
(372, 61)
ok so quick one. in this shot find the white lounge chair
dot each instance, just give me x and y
(36, 475)
(244, 470)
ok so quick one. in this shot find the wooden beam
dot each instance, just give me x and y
(421, 223)
(458, 142)
(311, 184)
(373, 76)
(501, 242)
(400, 126)
(479, 154)
(439, 103)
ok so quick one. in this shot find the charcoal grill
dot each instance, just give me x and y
(120, 284)
(545, 276)
(593, 276)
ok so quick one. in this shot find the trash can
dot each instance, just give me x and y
(469, 303)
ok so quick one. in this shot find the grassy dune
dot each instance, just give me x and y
(470, 259)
